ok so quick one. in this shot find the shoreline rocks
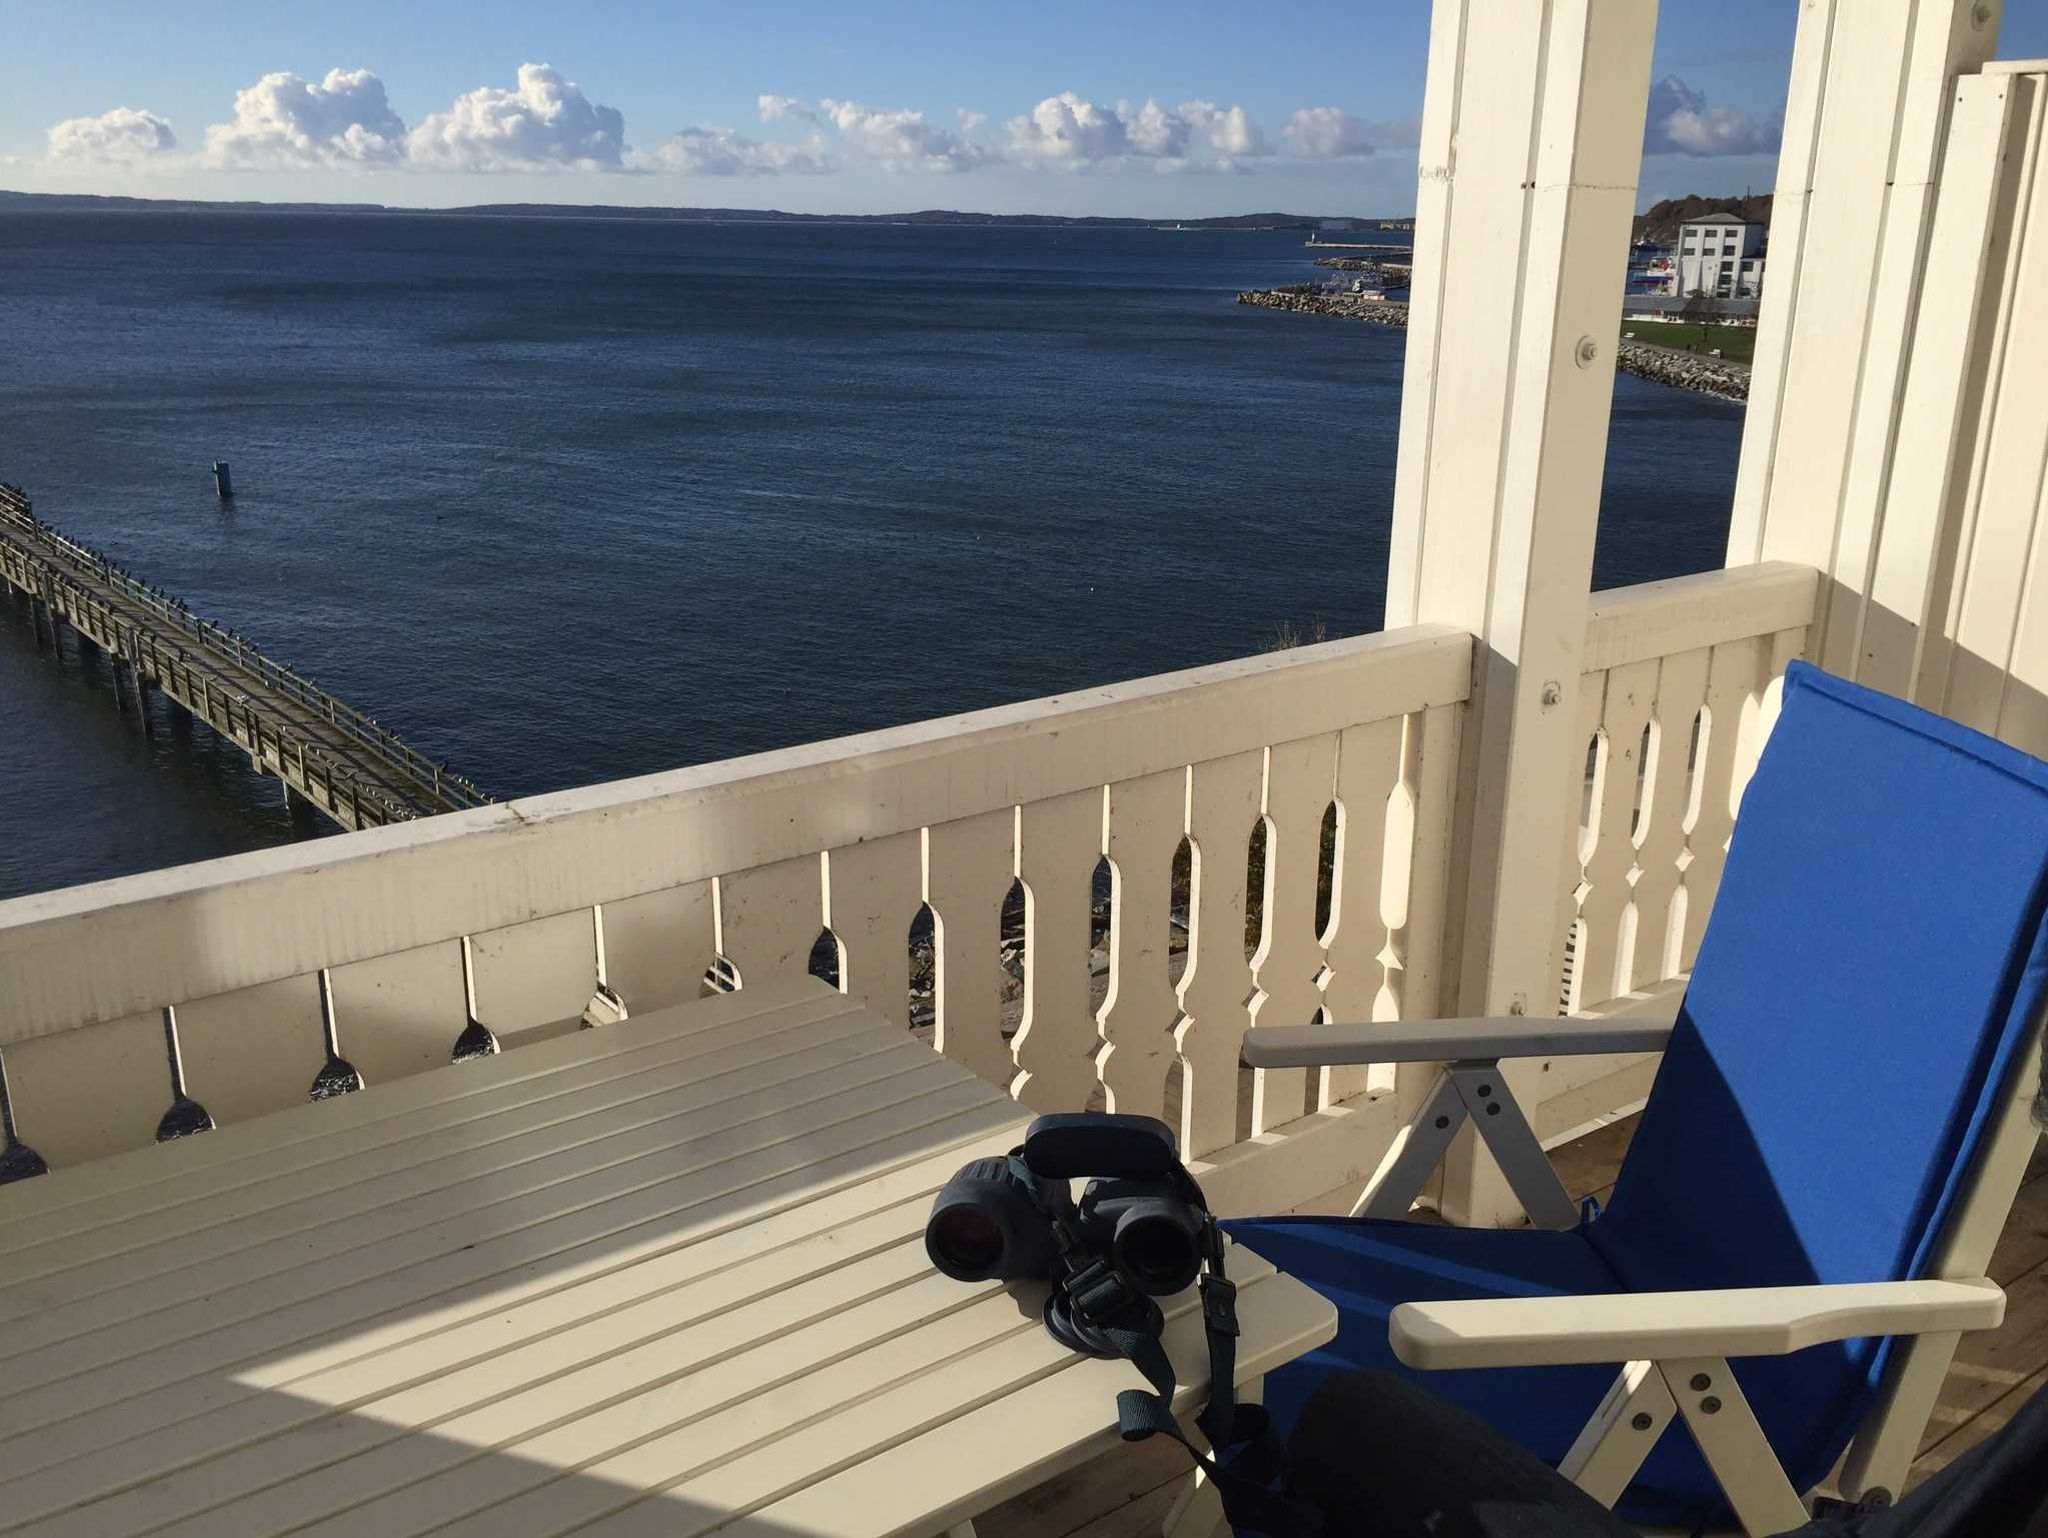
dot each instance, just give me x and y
(1720, 377)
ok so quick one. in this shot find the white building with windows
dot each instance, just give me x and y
(1720, 257)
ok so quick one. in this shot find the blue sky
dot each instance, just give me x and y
(821, 105)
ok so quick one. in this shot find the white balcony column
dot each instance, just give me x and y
(1532, 133)
(1832, 443)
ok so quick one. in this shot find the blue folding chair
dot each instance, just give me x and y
(1832, 1145)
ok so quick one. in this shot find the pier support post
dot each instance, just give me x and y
(1532, 132)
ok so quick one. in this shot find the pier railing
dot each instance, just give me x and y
(16, 512)
(1291, 815)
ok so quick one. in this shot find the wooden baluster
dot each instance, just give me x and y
(1223, 803)
(1300, 780)
(1417, 897)
(1607, 952)
(872, 891)
(657, 945)
(1058, 843)
(968, 867)
(1145, 821)
(1582, 788)
(1357, 942)
(1660, 835)
(769, 917)
(1731, 684)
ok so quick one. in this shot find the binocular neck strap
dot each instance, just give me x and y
(1245, 1460)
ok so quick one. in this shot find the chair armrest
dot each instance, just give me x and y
(1433, 1041)
(1731, 1322)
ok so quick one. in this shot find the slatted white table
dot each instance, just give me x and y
(667, 1277)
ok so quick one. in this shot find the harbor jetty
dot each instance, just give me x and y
(330, 756)
(1722, 377)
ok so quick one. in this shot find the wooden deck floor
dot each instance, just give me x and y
(1125, 1494)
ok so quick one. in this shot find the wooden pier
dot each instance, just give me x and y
(329, 755)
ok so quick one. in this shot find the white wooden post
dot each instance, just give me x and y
(1532, 134)
(1866, 120)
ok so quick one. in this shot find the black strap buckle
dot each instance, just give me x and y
(1098, 1293)
(1219, 1304)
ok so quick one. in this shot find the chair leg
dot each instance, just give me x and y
(1720, 1420)
(1417, 1150)
(1884, 1449)
(1530, 1174)
(1621, 1433)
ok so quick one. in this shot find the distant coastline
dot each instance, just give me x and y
(62, 202)
(1723, 378)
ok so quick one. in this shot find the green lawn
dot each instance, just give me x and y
(1737, 342)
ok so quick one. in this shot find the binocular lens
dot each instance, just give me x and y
(1157, 1249)
(965, 1242)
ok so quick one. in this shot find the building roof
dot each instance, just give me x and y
(1715, 219)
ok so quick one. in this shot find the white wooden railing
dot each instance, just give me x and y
(375, 954)
(149, 1005)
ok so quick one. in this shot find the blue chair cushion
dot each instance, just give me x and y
(1367, 1267)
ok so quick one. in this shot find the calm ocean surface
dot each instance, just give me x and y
(568, 500)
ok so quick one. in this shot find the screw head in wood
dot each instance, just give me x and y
(1586, 352)
(1643, 1420)
(1442, 1122)
(1701, 1383)
(1710, 1406)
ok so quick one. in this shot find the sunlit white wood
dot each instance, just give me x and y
(1606, 960)
(1736, 1321)
(1661, 835)
(657, 945)
(1413, 1156)
(1612, 1446)
(1300, 777)
(969, 865)
(872, 892)
(1862, 142)
(1718, 1415)
(171, 936)
(1686, 614)
(2003, 529)
(1144, 823)
(1945, 39)
(1058, 843)
(1223, 803)
(1731, 681)
(1416, 942)
(1359, 944)
(769, 918)
(1935, 463)
(1531, 141)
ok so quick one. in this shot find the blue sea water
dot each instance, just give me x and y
(564, 500)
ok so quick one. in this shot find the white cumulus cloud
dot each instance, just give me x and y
(897, 138)
(722, 152)
(543, 122)
(124, 136)
(1070, 130)
(1327, 133)
(1683, 122)
(283, 121)
(776, 108)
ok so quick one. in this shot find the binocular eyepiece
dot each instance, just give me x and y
(996, 1218)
